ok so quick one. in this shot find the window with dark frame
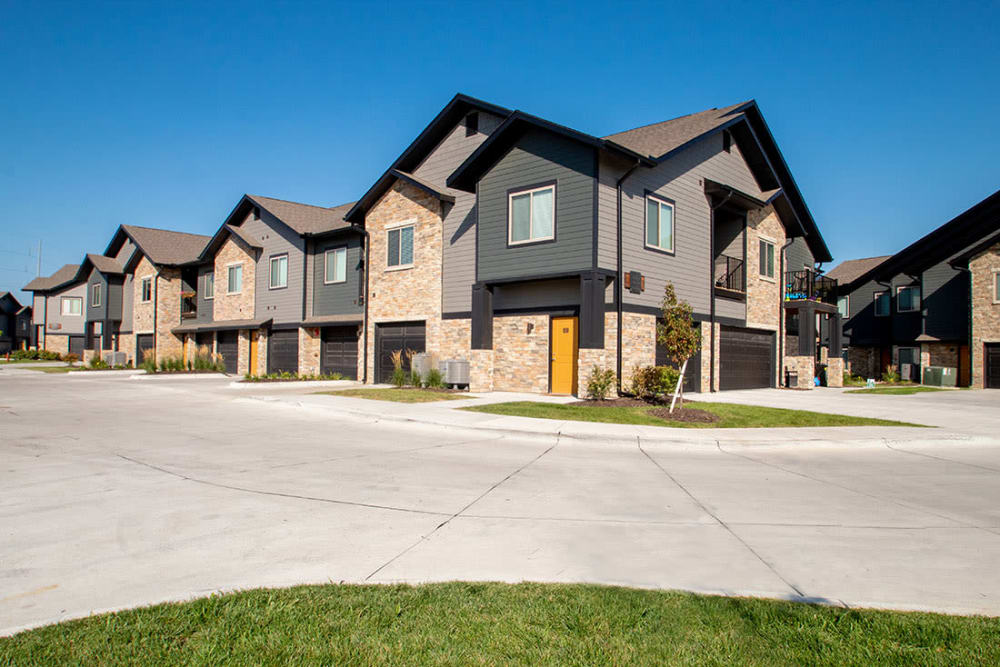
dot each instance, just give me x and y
(766, 258)
(335, 266)
(399, 252)
(881, 303)
(210, 285)
(908, 299)
(95, 295)
(146, 290)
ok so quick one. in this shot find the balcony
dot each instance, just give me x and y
(189, 305)
(730, 277)
(807, 285)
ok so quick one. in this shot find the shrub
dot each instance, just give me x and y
(600, 383)
(71, 358)
(652, 383)
(434, 379)
(148, 364)
(415, 378)
(891, 374)
(98, 364)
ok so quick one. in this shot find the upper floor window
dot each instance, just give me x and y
(844, 306)
(95, 295)
(766, 258)
(234, 279)
(279, 272)
(996, 287)
(71, 305)
(335, 265)
(881, 304)
(908, 299)
(531, 215)
(210, 285)
(659, 224)
(146, 290)
(399, 253)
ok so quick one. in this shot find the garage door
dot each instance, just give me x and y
(228, 346)
(992, 370)
(205, 339)
(340, 352)
(283, 351)
(745, 358)
(392, 337)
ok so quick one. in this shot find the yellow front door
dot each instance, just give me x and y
(253, 352)
(564, 355)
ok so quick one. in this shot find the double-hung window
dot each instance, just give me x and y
(71, 305)
(279, 272)
(996, 287)
(146, 290)
(210, 285)
(881, 304)
(659, 224)
(234, 279)
(335, 265)
(766, 258)
(95, 295)
(399, 253)
(844, 306)
(531, 215)
(908, 299)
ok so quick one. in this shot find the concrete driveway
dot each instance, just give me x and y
(116, 493)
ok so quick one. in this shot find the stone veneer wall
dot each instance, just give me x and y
(126, 344)
(57, 343)
(864, 361)
(521, 358)
(168, 313)
(939, 354)
(806, 369)
(143, 314)
(706, 351)
(764, 295)
(835, 372)
(310, 347)
(985, 313)
(239, 306)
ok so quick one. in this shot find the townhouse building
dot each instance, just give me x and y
(15, 323)
(934, 303)
(58, 311)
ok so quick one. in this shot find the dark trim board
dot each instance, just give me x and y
(544, 276)
(458, 315)
(554, 184)
(552, 311)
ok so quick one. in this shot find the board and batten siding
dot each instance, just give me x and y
(283, 305)
(459, 228)
(96, 313)
(128, 294)
(336, 298)
(204, 305)
(125, 252)
(536, 158)
(114, 299)
(70, 324)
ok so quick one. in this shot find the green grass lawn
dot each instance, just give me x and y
(398, 395)
(898, 391)
(731, 415)
(525, 624)
(55, 369)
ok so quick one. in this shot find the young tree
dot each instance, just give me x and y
(678, 334)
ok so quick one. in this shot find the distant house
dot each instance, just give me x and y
(15, 324)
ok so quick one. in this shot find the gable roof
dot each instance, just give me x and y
(410, 158)
(304, 219)
(851, 269)
(658, 139)
(107, 265)
(67, 274)
(439, 191)
(161, 246)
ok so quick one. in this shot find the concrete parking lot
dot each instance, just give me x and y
(118, 493)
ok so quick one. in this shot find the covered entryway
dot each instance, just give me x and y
(991, 372)
(283, 351)
(340, 352)
(77, 345)
(391, 337)
(144, 347)
(745, 359)
(228, 346)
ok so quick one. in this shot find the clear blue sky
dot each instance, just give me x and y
(163, 115)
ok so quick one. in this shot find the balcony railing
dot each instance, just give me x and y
(189, 305)
(809, 285)
(730, 274)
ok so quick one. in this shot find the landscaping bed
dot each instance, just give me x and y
(492, 623)
(402, 394)
(897, 390)
(289, 377)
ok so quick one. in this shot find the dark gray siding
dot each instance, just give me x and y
(128, 289)
(539, 157)
(204, 305)
(946, 301)
(537, 294)
(798, 256)
(276, 238)
(863, 328)
(337, 298)
(96, 313)
(114, 303)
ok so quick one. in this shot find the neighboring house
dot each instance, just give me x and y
(59, 310)
(15, 320)
(915, 308)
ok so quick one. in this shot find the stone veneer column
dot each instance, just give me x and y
(168, 313)
(985, 313)
(835, 372)
(310, 345)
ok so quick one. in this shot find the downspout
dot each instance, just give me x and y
(711, 288)
(364, 321)
(968, 310)
(781, 304)
(619, 279)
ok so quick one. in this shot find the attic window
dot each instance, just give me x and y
(727, 141)
(471, 124)
(256, 213)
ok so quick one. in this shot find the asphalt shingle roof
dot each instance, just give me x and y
(163, 246)
(64, 275)
(659, 139)
(850, 270)
(304, 218)
(104, 264)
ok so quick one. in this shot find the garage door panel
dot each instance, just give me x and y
(228, 346)
(745, 359)
(340, 352)
(992, 369)
(283, 351)
(392, 337)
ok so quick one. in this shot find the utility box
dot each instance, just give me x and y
(422, 364)
(941, 376)
(455, 372)
(115, 358)
(932, 376)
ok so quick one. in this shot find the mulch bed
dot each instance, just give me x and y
(685, 415)
(614, 403)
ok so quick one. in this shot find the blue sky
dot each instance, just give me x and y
(164, 114)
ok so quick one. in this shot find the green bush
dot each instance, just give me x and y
(398, 376)
(891, 374)
(600, 382)
(653, 383)
(148, 364)
(32, 355)
(415, 379)
(434, 379)
(71, 358)
(98, 364)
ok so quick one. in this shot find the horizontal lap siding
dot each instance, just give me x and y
(798, 256)
(680, 179)
(96, 313)
(125, 252)
(946, 298)
(69, 324)
(337, 298)
(281, 305)
(536, 158)
(610, 170)
(204, 305)
(459, 232)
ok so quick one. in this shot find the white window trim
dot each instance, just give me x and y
(996, 288)
(207, 297)
(69, 299)
(95, 289)
(400, 226)
(343, 248)
(510, 216)
(142, 290)
(908, 310)
(774, 244)
(228, 285)
(847, 303)
(270, 271)
(875, 303)
(673, 224)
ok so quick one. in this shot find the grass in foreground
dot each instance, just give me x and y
(899, 391)
(55, 369)
(731, 415)
(398, 395)
(459, 623)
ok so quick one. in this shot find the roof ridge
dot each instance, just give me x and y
(297, 203)
(160, 229)
(670, 120)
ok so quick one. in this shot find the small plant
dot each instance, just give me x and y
(600, 382)
(98, 364)
(415, 378)
(148, 364)
(398, 374)
(891, 374)
(653, 383)
(71, 358)
(434, 379)
(678, 334)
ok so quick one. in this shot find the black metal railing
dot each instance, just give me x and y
(730, 274)
(189, 305)
(808, 285)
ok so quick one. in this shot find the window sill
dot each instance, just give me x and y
(335, 282)
(662, 251)
(767, 279)
(404, 267)
(518, 244)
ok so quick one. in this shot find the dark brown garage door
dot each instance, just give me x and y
(745, 358)
(77, 344)
(283, 351)
(392, 337)
(144, 347)
(340, 352)
(992, 370)
(228, 345)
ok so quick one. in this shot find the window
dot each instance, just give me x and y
(531, 215)
(279, 272)
(996, 287)
(881, 304)
(766, 258)
(400, 250)
(907, 299)
(146, 287)
(471, 124)
(210, 285)
(844, 306)
(95, 295)
(235, 279)
(659, 224)
(71, 305)
(335, 265)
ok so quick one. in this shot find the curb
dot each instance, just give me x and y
(178, 376)
(292, 384)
